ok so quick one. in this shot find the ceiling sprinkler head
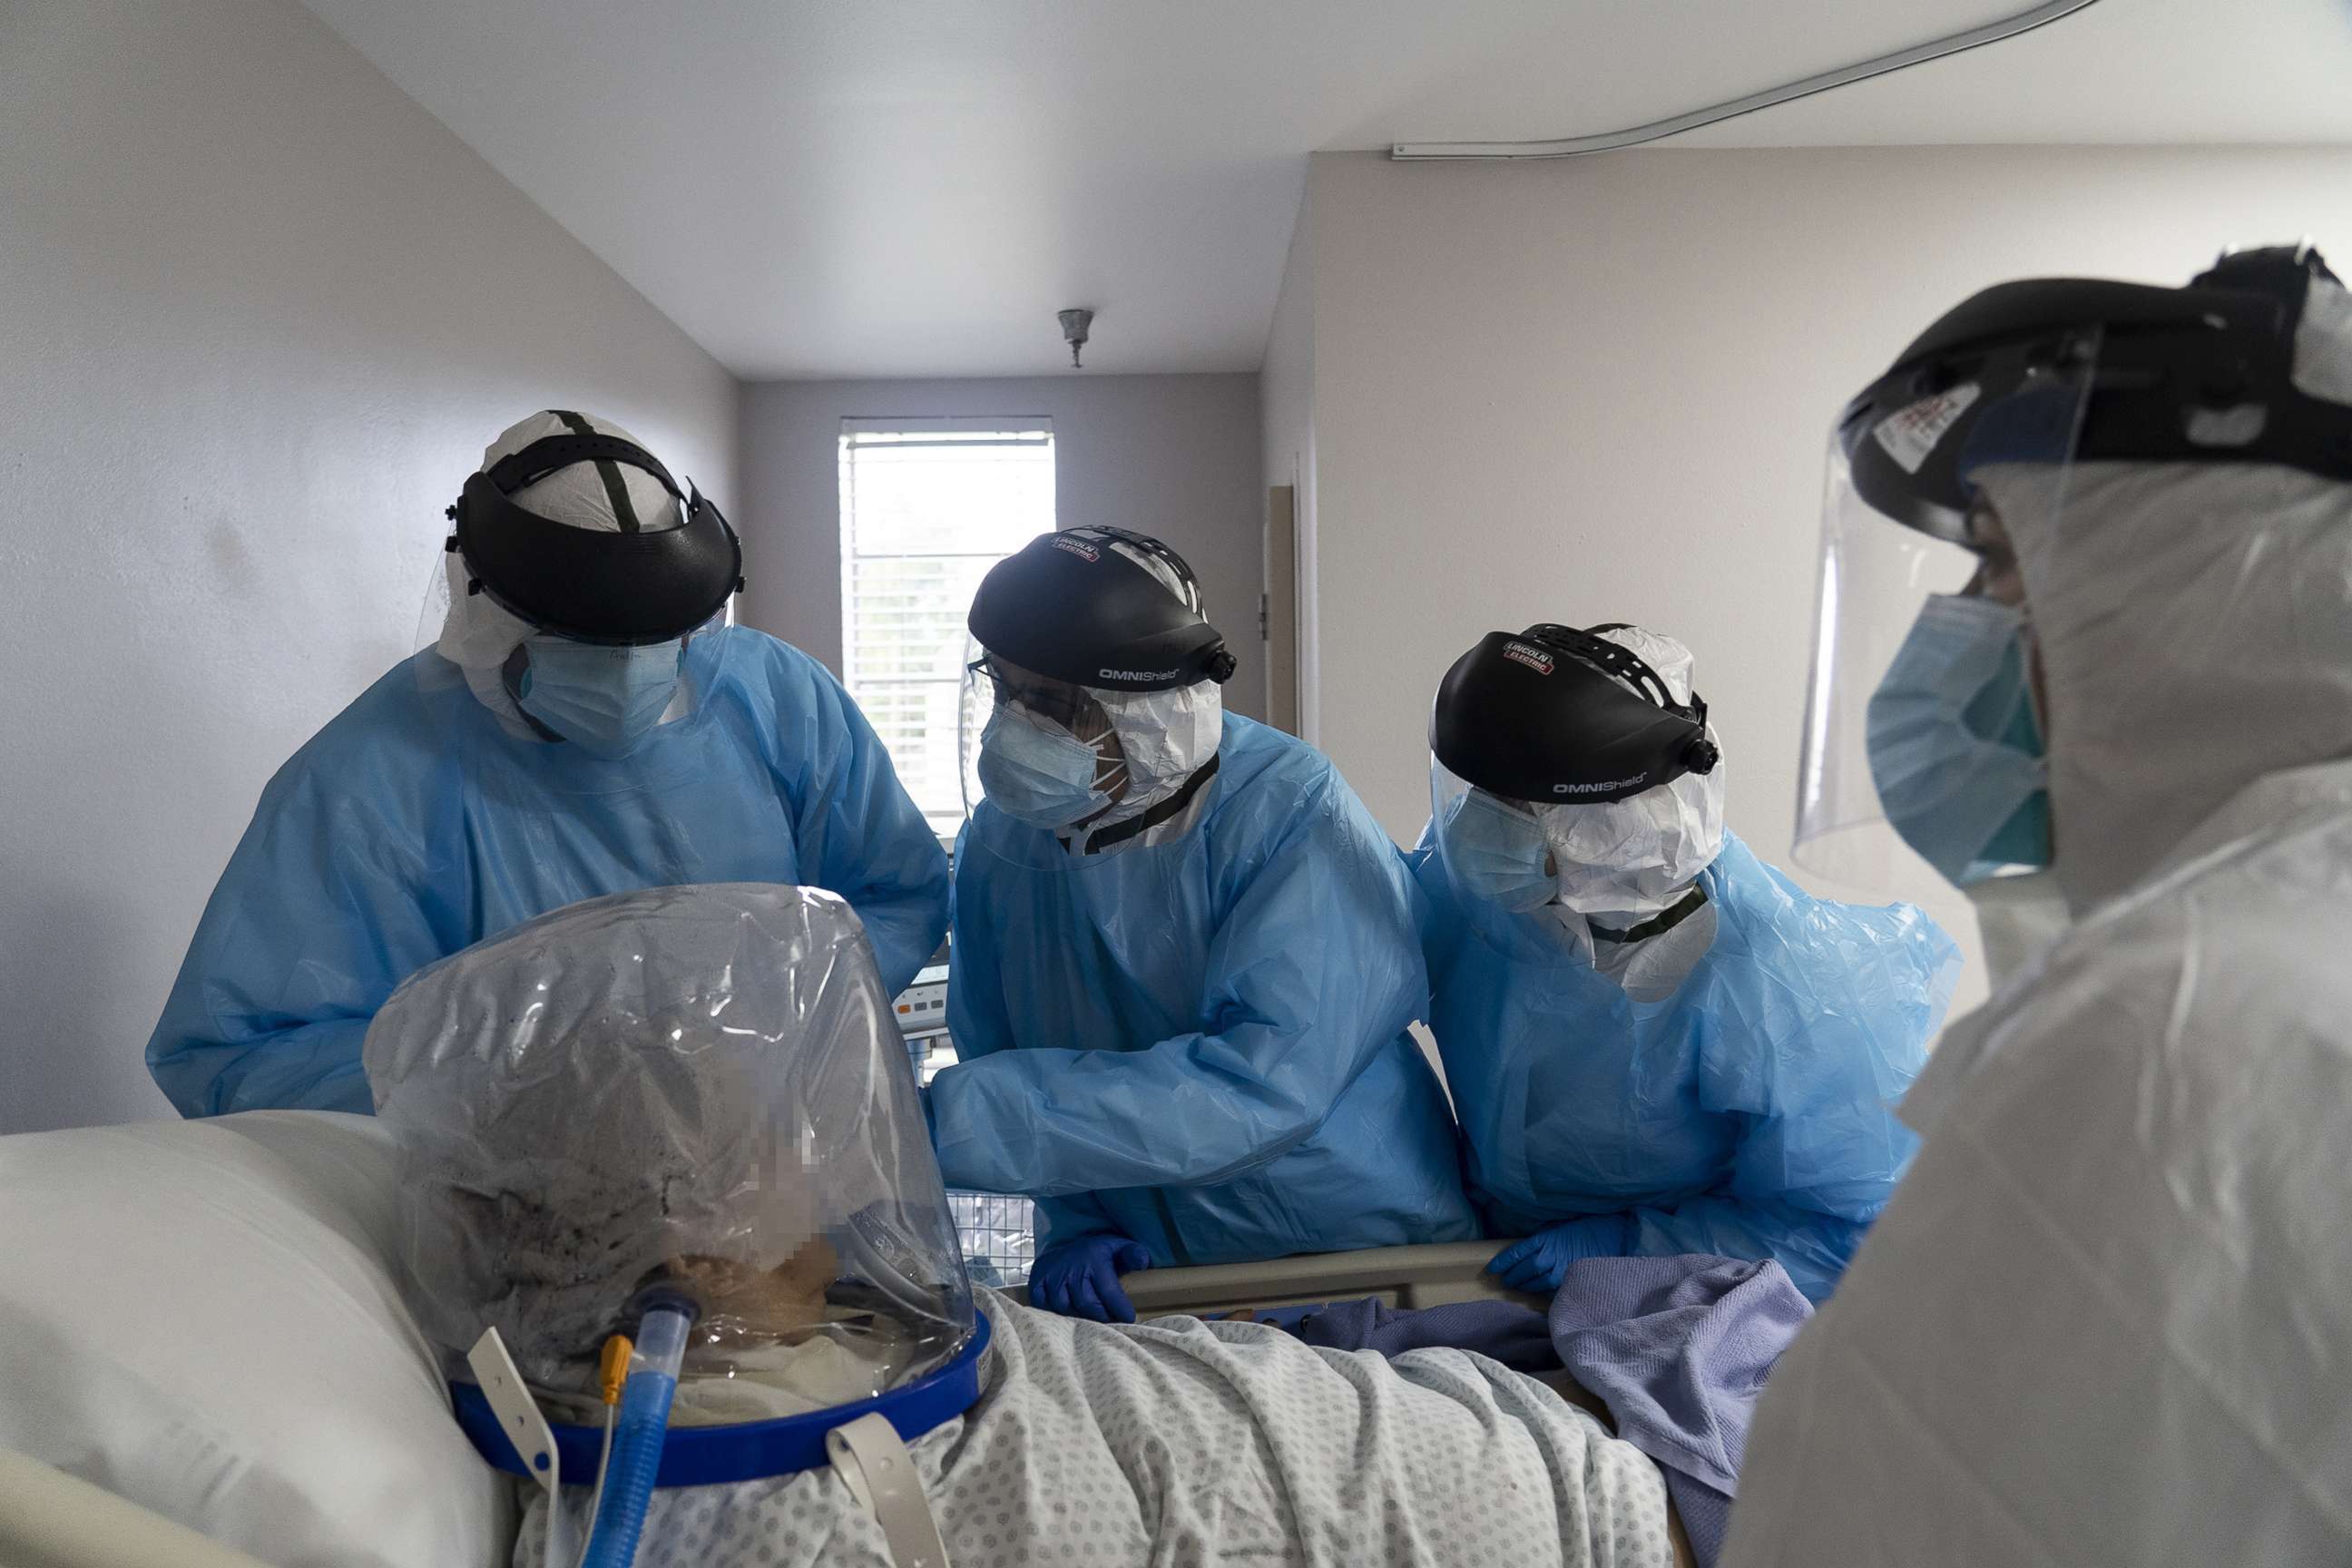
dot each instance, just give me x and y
(1074, 331)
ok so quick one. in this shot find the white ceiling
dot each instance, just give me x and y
(818, 188)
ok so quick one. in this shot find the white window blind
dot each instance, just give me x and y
(927, 507)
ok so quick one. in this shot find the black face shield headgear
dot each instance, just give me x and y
(1074, 609)
(1545, 716)
(629, 587)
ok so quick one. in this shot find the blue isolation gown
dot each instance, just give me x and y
(413, 824)
(1200, 1043)
(1750, 1114)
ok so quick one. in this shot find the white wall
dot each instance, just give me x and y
(1602, 389)
(259, 314)
(1177, 456)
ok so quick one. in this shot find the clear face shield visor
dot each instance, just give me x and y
(1621, 860)
(1492, 847)
(606, 697)
(1924, 728)
(1036, 727)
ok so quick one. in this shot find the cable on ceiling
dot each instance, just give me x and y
(1995, 32)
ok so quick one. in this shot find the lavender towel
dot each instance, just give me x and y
(1678, 1348)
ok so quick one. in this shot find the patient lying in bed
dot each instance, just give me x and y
(702, 1090)
(1184, 1441)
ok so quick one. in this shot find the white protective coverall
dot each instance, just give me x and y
(2107, 1317)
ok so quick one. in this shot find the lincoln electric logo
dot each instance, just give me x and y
(1135, 675)
(1535, 658)
(1078, 547)
(1597, 788)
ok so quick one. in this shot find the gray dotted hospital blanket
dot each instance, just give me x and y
(1184, 1442)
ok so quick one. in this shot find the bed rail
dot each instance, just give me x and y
(51, 1520)
(1406, 1277)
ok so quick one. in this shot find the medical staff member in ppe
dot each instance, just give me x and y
(1657, 1042)
(588, 722)
(1185, 954)
(2104, 1319)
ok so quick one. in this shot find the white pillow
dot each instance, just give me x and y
(205, 1317)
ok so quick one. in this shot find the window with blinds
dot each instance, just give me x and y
(927, 507)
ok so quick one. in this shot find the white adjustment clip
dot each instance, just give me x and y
(881, 1475)
(526, 1428)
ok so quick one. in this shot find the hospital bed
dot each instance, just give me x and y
(1406, 1277)
(999, 1242)
(51, 1520)
(1403, 1276)
(197, 1312)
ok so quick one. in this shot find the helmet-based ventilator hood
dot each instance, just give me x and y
(703, 1087)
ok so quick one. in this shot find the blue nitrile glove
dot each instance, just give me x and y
(1080, 1278)
(1537, 1263)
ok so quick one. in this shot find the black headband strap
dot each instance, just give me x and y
(1615, 659)
(549, 453)
(1689, 904)
(591, 585)
(1135, 826)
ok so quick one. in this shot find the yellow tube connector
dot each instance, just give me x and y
(614, 1368)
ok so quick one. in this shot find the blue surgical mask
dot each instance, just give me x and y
(1035, 771)
(1954, 745)
(602, 699)
(1498, 852)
